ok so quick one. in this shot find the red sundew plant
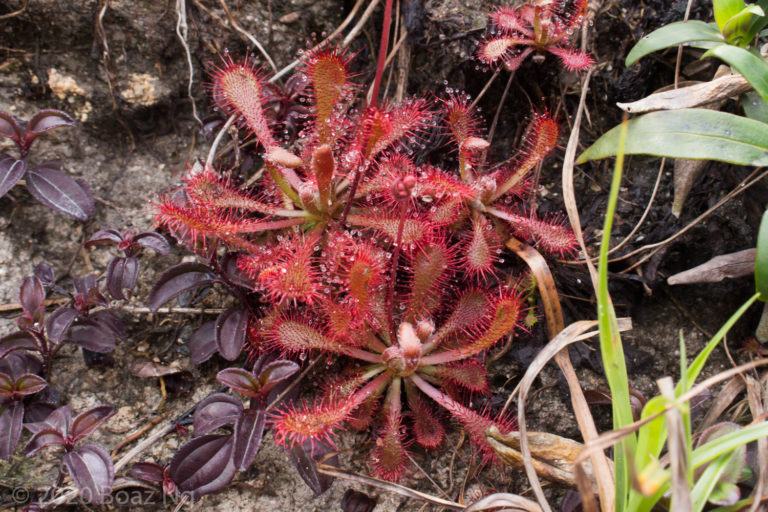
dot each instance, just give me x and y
(537, 26)
(346, 247)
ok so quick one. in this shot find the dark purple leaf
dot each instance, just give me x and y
(108, 320)
(92, 336)
(37, 411)
(31, 295)
(276, 372)
(92, 471)
(304, 457)
(45, 273)
(43, 439)
(229, 266)
(147, 471)
(202, 344)
(240, 380)
(88, 421)
(47, 119)
(230, 332)
(203, 465)
(177, 280)
(104, 236)
(18, 340)
(59, 192)
(58, 322)
(59, 420)
(354, 501)
(214, 411)
(122, 273)
(16, 364)
(249, 429)
(85, 284)
(7, 385)
(154, 241)
(11, 417)
(11, 171)
(29, 384)
(9, 127)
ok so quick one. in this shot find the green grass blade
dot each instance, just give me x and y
(611, 345)
(728, 443)
(752, 67)
(708, 481)
(673, 35)
(761, 260)
(688, 133)
(696, 366)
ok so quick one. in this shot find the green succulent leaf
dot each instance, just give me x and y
(697, 134)
(755, 107)
(741, 29)
(697, 33)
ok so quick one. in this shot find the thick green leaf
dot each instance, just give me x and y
(741, 29)
(754, 68)
(755, 106)
(725, 10)
(697, 134)
(761, 259)
(694, 32)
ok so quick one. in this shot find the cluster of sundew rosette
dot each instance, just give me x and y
(360, 254)
(538, 26)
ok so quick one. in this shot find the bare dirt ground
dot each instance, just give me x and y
(120, 69)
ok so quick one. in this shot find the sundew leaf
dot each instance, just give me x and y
(752, 67)
(697, 33)
(697, 134)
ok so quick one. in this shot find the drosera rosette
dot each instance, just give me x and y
(535, 27)
(395, 381)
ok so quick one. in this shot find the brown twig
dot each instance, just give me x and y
(132, 437)
(15, 13)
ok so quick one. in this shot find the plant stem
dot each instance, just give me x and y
(393, 272)
(383, 46)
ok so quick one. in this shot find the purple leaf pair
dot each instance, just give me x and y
(123, 272)
(46, 182)
(24, 134)
(89, 465)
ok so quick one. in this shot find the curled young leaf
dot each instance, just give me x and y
(122, 273)
(31, 295)
(43, 439)
(45, 273)
(92, 470)
(59, 192)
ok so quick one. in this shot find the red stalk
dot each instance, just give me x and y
(383, 47)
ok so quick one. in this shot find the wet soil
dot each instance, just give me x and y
(119, 68)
